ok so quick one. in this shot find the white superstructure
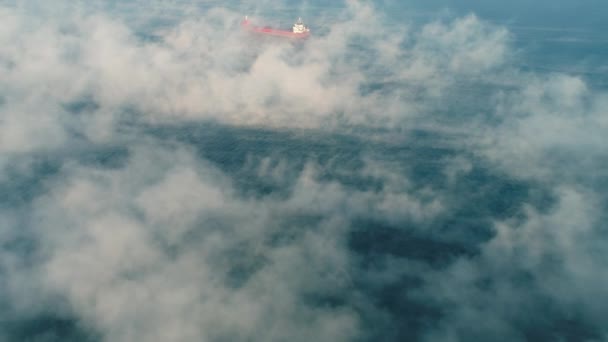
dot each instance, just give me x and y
(299, 27)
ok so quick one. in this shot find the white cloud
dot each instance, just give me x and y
(206, 68)
(167, 248)
(545, 122)
(548, 258)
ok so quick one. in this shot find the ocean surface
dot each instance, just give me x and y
(414, 171)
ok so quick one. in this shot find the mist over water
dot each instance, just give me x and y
(413, 171)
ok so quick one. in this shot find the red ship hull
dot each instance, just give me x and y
(246, 24)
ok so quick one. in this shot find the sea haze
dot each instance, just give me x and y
(414, 171)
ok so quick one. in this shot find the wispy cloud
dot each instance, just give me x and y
(165, 249)
(401, 173)
(206, 68)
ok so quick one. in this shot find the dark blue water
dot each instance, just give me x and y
(400, 268)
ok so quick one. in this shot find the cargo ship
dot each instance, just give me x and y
(298, 31)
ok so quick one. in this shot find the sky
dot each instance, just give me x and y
(425, 171)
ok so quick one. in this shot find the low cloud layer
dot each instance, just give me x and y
(382, 181)
(164, 249)
(206, 68)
